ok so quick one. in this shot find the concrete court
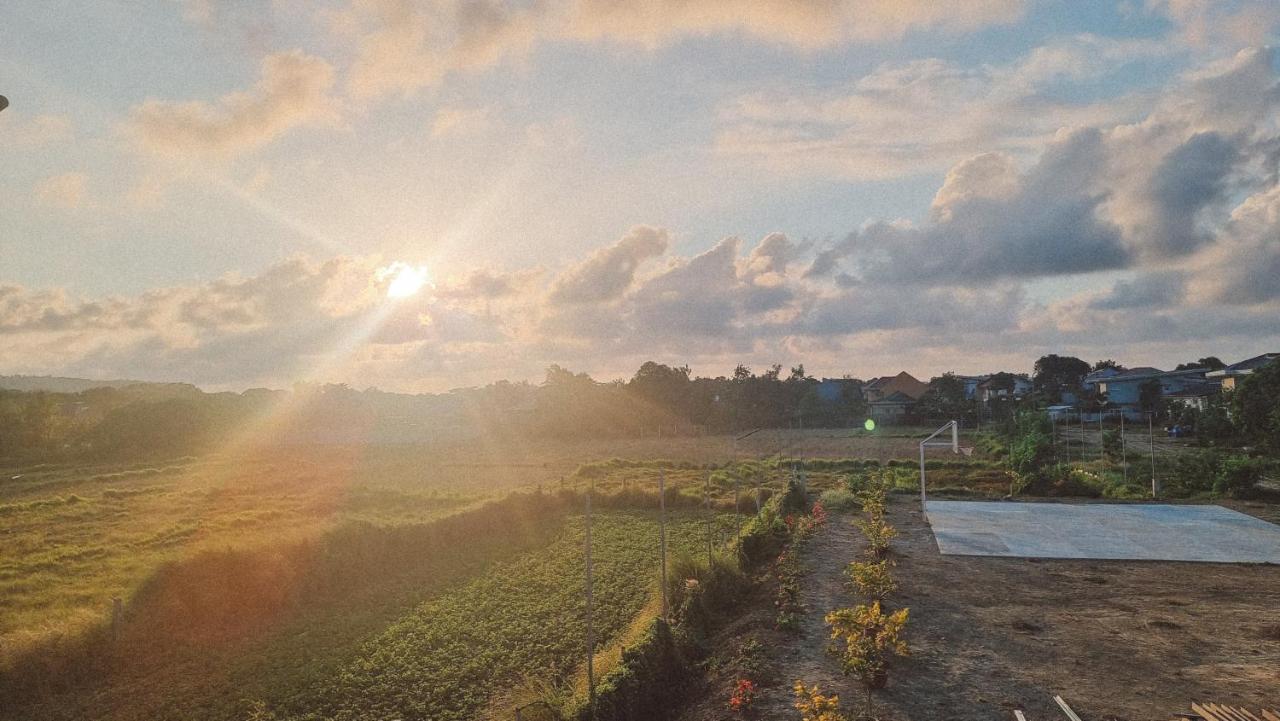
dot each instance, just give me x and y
(1147, 532)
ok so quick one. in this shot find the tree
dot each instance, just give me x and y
(1108, 363)
(1055, 373)
(1150, 394)
(1255, 405)
(1213, 363)
(945, 398)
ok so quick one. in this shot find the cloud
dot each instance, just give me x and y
(803, 23)
(294, 90)
(926, 115)
(1151, 290)
(457, 121)
(609, 272)
(1149, 193)
(1210, 24)
(37, 132)
(401, 47)
(67, 190)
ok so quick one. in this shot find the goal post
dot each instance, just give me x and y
(929, 442)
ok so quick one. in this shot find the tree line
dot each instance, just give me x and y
(152, 419)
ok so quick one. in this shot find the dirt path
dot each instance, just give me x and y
(803, 654)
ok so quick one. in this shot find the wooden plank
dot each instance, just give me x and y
(1270, 715)
(1066, 709)
(1209, 715)
(1247, 714)
(1018, 715)
(1224, 712)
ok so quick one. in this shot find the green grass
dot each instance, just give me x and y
(523, 618)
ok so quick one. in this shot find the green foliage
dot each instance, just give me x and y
(1256, 406)
(838, 499)
(1032, 445)
(1211, 471)
(864, 639)
(795, 499)
(874, 580)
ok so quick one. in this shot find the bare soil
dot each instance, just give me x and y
(1122, 641)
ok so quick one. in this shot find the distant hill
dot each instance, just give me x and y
(57, 384)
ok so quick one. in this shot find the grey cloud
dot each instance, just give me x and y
(1161, 289)
(609, 272)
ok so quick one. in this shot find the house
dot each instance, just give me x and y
(1124, 390)
(971, 384)
(1003, 385)
(1095, 377)
(1230, 375)
(1060, 412)
(889, 398)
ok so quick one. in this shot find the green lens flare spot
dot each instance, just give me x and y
(869, 425)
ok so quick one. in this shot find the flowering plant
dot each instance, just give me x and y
(744, 694)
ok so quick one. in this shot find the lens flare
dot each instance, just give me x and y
(406, 280)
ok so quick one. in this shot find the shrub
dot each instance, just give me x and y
(795, 499)
(878, 533)
(1214, 471)
(872, 580)
(869, 637)
(813, 706)
(744, 695)
(1238, 476)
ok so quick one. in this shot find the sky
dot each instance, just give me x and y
(222, 192)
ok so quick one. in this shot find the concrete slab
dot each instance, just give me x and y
(1145, 532)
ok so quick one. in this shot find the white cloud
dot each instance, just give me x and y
(293, 91)
(36, 132)
(67, 190)
(926, 115)
(402, 46)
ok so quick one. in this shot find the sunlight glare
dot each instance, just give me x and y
(406, 280)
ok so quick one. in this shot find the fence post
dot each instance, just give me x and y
(117, 617)
(591, 680)
(662, 535)
(1151, 438)
(706, 501)
(1124, 452)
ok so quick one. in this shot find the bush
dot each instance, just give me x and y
(873, 580)
(838, 499)
(1214, 471)
(795, 499)
(813, 706)
(1238, 476)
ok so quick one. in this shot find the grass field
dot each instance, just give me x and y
(308, 582)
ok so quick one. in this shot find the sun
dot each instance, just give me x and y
(406, 280)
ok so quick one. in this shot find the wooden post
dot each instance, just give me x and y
(662, 536)
(1151, 437)
(1124, 452)
(117, 617)
(591, 641)
(706, 502)
(737, 518)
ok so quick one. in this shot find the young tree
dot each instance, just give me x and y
(1055, 373)
(869, 638)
